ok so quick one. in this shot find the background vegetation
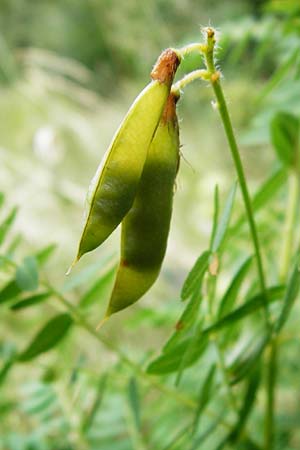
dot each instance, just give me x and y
(68, 72)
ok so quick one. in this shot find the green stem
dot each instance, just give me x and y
(223, 110)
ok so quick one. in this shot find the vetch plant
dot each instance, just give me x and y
(217, 373)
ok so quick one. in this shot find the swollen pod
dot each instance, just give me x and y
(145, 228)
(113, 188)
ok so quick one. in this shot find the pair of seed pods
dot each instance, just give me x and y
(134, 184)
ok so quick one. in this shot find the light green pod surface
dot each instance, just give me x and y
(113, 188)
(145, 228)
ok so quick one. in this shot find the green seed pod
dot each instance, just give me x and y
(113, 188)
(145, 228)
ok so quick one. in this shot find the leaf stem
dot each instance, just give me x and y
(223, 110)
(201, 74)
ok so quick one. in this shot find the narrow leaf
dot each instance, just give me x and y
(7, 224)
(224, 220)
(27, 276)
(98, 289)
(291, 294)
(230, 295)
(170, 361)
(195, 277)
(47, 337)
(269, 188)
(285, 137)
(10, 291)
(30, 300)
(43, 255)
(252, 305)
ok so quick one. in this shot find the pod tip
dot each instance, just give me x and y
(166, 66)
(102, 322)
(72, 265)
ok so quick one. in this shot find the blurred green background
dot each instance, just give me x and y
(69, 70)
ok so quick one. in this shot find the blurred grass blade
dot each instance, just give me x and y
(285, 137)
(177, 438)
(13, 246)
(134, 402)
(252, 305)
(231, 293)
(99, 288)
(205, 434)
(205, 396)
(89, 418)
(47, 337)
(43, 255)
(194, 279)
(247, 406)
(27, 276)
(291, 294)
(170, 361)
(5, 369)
(7, 224)
(269, 188)
(2, 199)
(186, 321)
(10, 291)
(74, 280)
(280, 73)
(264, 194)
(186, 356)
(215, 217)
(30, 301)
(248, 359)
(224, 220)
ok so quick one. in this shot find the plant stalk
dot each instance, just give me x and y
(223, 111)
